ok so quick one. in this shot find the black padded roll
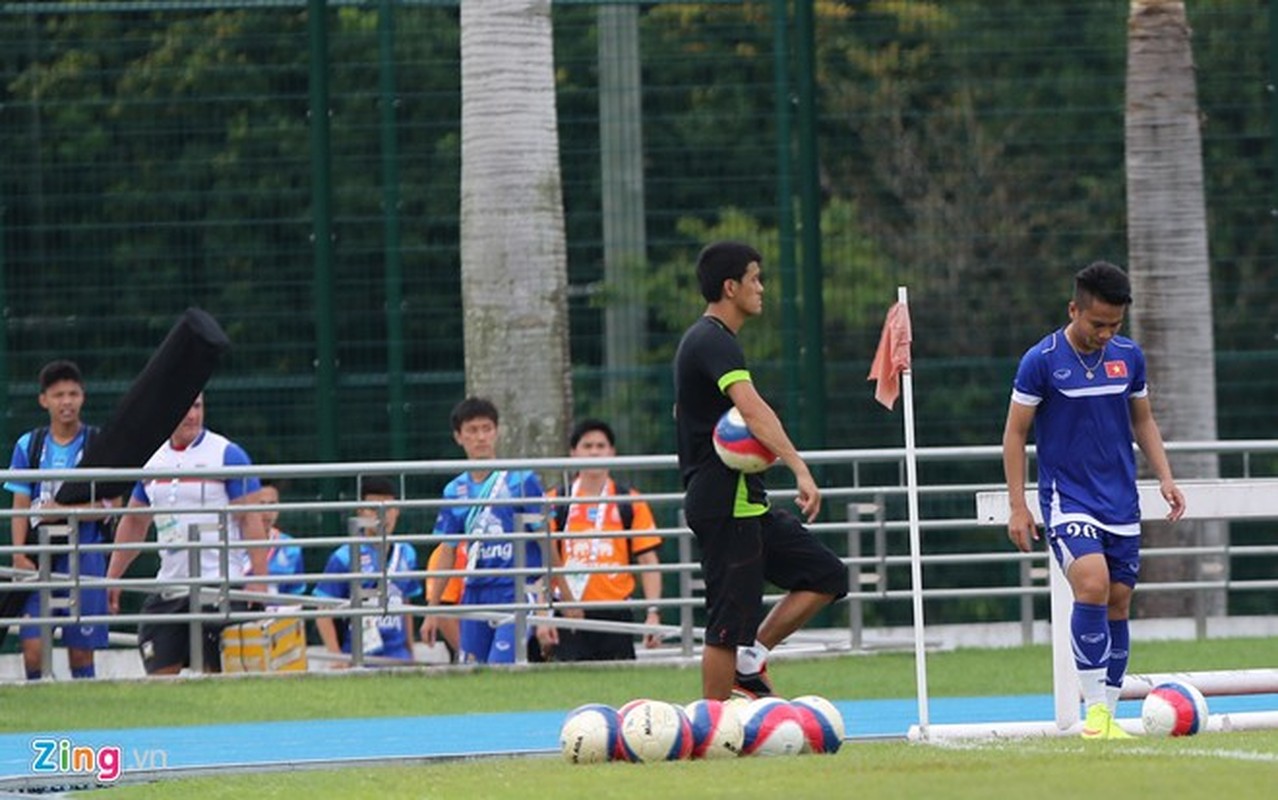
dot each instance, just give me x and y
(155, 403)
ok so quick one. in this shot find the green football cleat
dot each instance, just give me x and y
(1100, 724)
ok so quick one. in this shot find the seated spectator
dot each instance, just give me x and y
(389, 635)
(282, 558)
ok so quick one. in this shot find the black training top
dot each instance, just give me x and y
(708, 361)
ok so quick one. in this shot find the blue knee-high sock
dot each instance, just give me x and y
(1089, 631)
(1120, 639)
(83, 672)
(34, 674)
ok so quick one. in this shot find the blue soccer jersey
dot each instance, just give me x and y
(481, 525)
(92, 601)
(53, 456)
(385, 635)
(282, 559)
(286, 559)
(1083, 430)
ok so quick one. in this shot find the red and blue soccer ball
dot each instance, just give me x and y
(1174, 709)
(591, 734)
(716, 729)
(772, 727)
(737, 447)
(822, 724)
(653, 730)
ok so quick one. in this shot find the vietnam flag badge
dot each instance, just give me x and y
(1115, 369)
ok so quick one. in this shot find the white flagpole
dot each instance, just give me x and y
(916, 565)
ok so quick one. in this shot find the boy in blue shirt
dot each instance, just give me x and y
(389, 635)
(479, 528)
(59, 446)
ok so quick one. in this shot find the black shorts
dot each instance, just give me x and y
(739, 555)
(164, 644)
(584, 645)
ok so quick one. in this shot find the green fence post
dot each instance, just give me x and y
(791, 353)
(4, 338)
(322, 233)
(1273, 105)
(396, 406)
(813, 428)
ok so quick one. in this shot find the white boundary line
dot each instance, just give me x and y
(1034, 747)
(977, 731)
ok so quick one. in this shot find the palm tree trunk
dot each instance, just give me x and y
(513, 252)
(1171, 280)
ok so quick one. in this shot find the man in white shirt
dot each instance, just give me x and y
(165, 646)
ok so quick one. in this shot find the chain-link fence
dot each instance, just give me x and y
(165, 154)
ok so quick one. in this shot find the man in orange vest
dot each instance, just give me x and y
(595, 509)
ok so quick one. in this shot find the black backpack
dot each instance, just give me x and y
(35, 449)
(625, 510)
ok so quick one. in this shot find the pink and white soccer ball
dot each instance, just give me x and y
(716, 729)
(1175, 708)
(823, 728)
(771, 727)
(737, 447)
(653, 730)
(590, 734)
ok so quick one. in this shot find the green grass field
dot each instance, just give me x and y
(1233, 765)
(1236, 766)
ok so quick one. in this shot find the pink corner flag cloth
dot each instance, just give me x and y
(892, 356)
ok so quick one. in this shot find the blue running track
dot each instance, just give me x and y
(267, 745)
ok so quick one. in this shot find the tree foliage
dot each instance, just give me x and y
(973, 151)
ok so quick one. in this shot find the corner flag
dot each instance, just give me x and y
(893, 355)
(891, 368)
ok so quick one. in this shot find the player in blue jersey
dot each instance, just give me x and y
(479, 529)
(1082, 388)
(59, 446)
(389, 635)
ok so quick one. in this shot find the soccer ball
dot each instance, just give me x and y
(822, 724)
(716, 729)
(652, 730)
(772, 727)
(737, 447)
(590, 734)
(619, 754)
(1174, 709)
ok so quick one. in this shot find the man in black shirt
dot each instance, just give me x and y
(744, 542)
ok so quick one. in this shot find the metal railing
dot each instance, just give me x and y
(866, 509)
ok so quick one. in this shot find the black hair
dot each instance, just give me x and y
(472, 408)
(279, 484)
(60, 370)
(1104, 281)
(586, 426)
(722, 261)
(377, 484)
